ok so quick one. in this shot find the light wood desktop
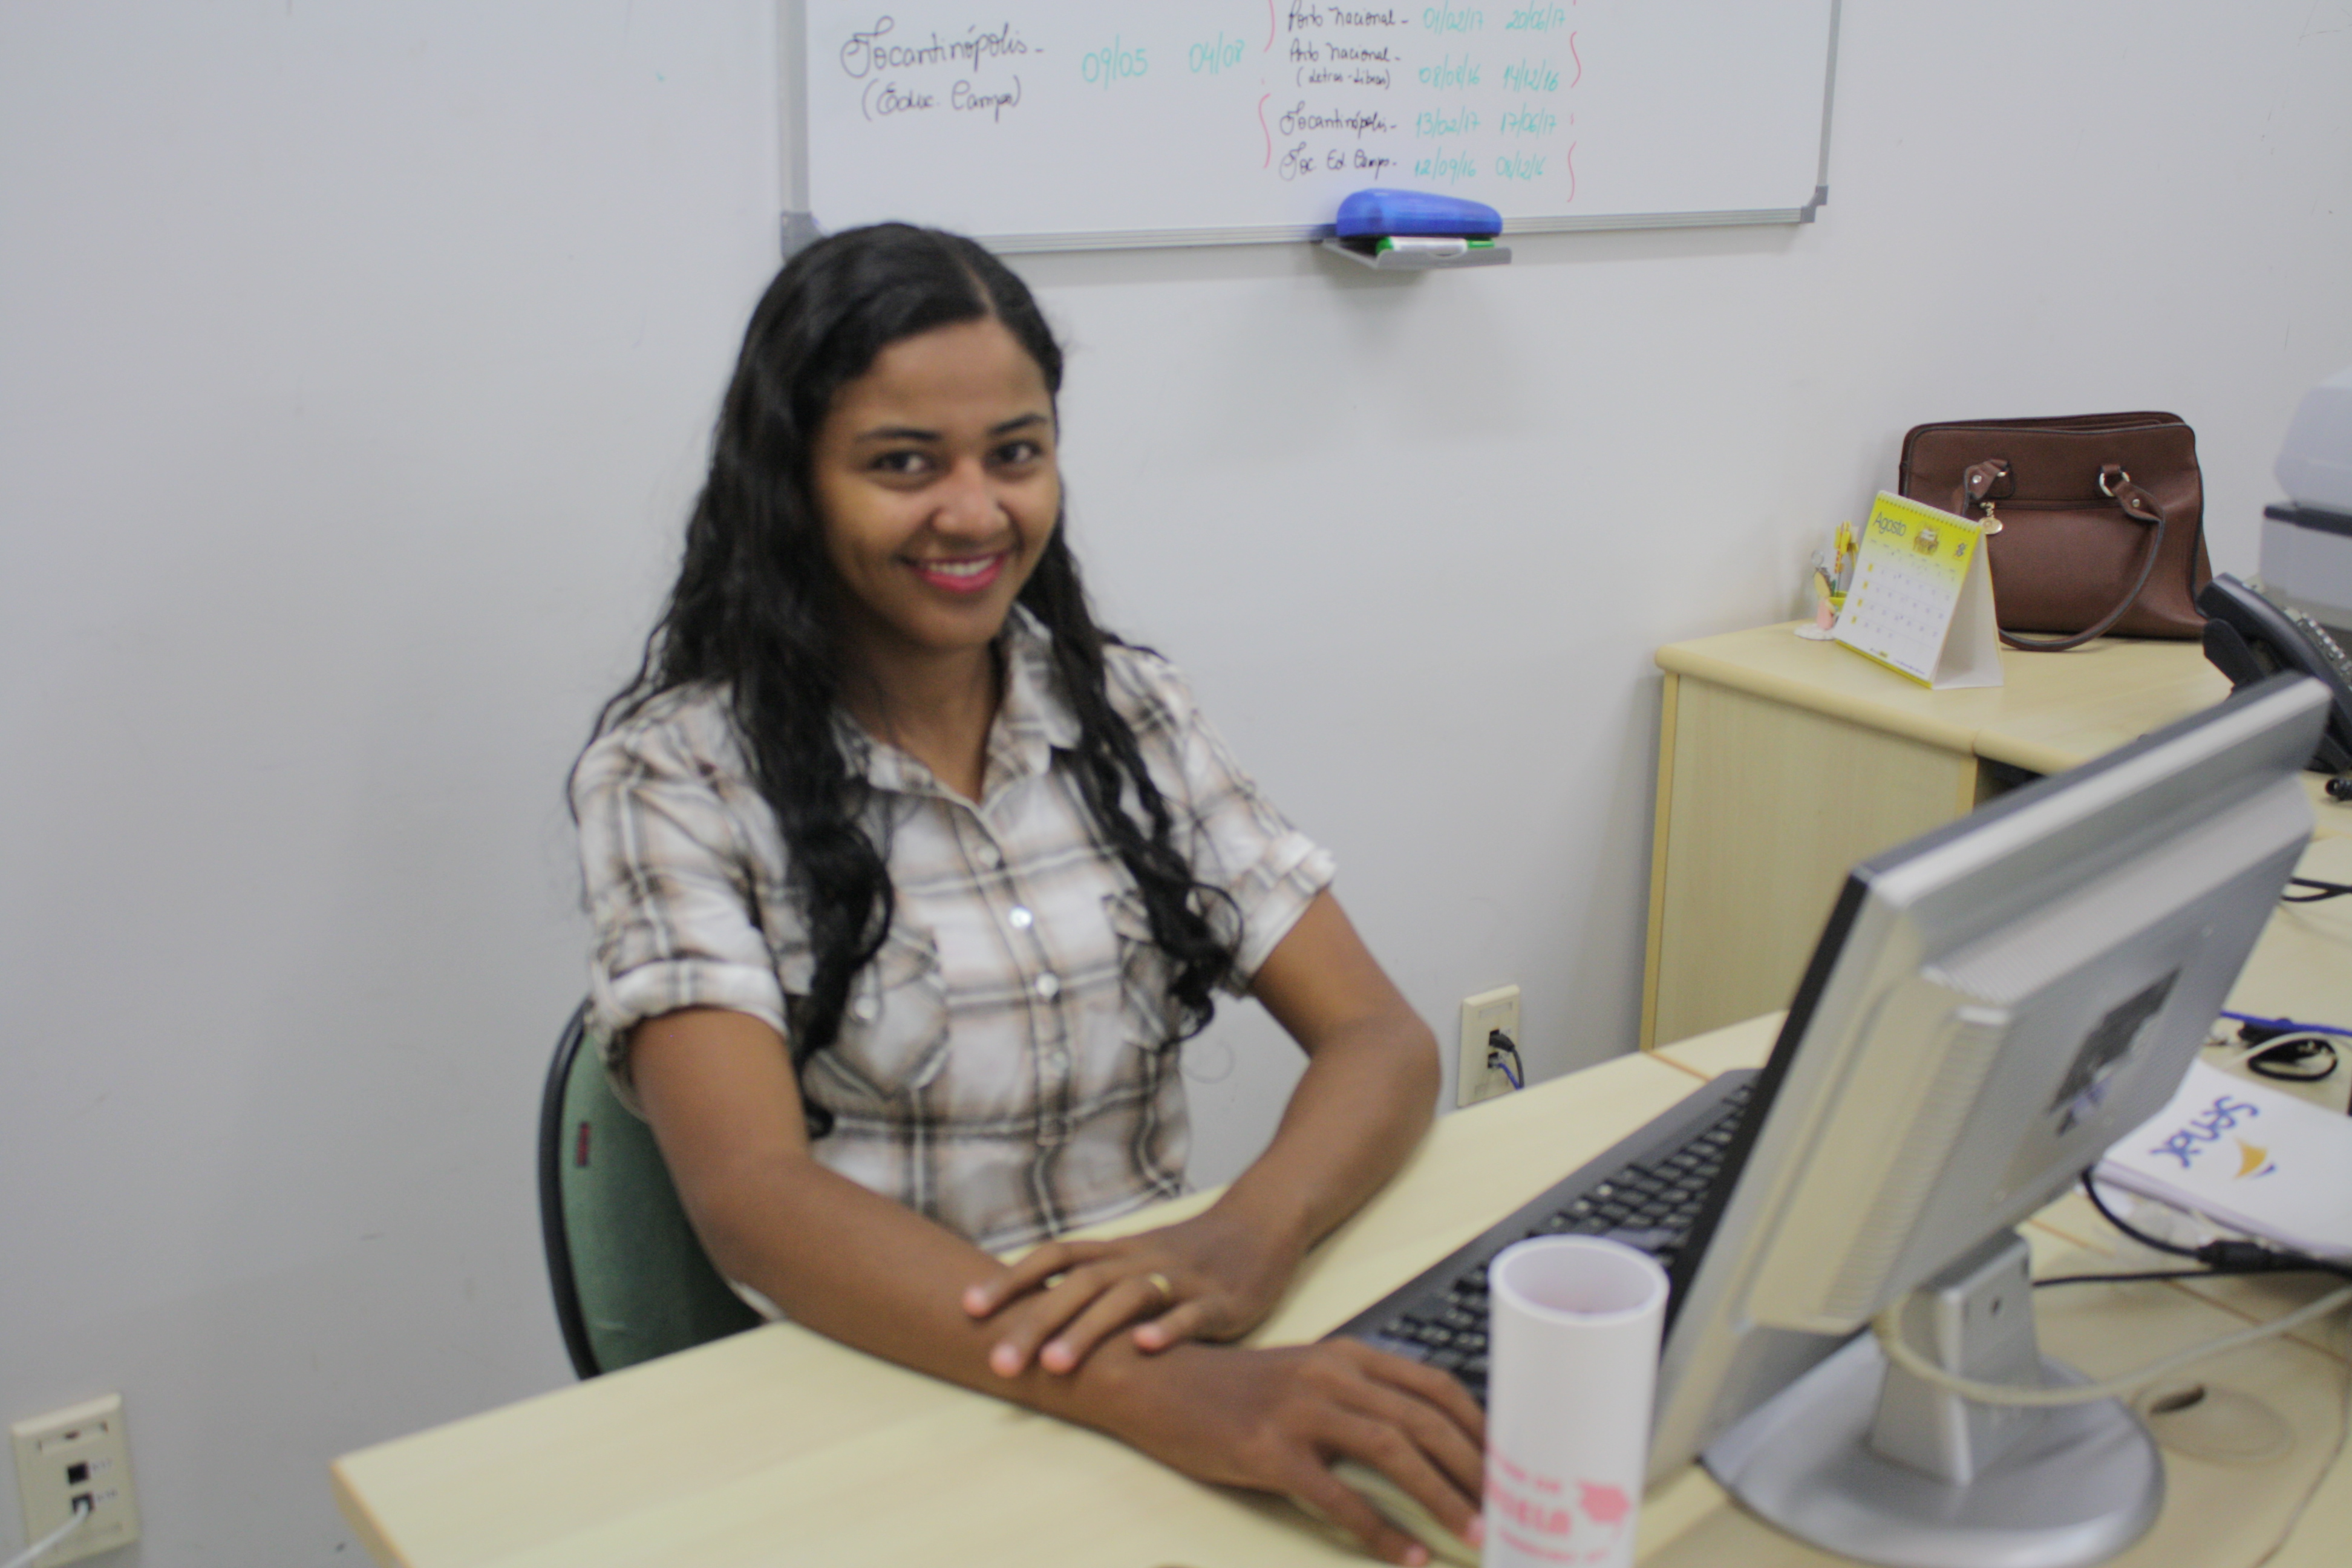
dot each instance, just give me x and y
(778, 1446)
(1783, 762)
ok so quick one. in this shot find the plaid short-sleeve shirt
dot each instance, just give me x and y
(1004, 1066)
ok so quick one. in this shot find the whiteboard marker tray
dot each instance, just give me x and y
(1420, 260)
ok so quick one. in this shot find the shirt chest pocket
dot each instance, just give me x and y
(894, 1032)
(1148, 1013)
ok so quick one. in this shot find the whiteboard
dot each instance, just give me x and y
(1081, 125)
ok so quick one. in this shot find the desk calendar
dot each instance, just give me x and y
(1921, 599)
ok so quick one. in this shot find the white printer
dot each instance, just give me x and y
(2306, 552)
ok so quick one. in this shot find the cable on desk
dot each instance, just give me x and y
(2305, 1057)
(32, 1553)
(2123, 1278)
(2220, 1258)
(2286, 1049)
(2326, 891)
(1887, 1326)
(2226, 1256)
(2344, 1430)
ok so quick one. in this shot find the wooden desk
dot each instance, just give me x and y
(778, 1446)
(1783, 762)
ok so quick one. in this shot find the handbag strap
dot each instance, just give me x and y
(1977, 481)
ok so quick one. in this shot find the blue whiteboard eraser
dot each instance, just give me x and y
(1381, 211)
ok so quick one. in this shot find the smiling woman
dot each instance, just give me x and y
(935, 479)
(908, 882)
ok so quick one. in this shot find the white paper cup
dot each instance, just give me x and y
(1574, 1325)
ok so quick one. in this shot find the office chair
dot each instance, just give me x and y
(631, 1281)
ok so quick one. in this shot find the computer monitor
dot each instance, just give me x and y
(1989, 1008)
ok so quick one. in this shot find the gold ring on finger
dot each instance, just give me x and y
(1160, 1282)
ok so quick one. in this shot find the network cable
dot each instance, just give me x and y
(2220, 1257)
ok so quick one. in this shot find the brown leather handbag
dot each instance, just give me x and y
(2102, 519)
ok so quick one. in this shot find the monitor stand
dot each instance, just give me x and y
(1865, 1460)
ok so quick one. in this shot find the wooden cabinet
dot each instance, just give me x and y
(1783, 762)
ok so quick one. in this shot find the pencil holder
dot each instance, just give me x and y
(1574, 1322)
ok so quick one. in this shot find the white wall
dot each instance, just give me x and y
(356, 363)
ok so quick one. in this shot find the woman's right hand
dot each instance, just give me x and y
(1276, 1420)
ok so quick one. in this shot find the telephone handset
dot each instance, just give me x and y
(2249, 637)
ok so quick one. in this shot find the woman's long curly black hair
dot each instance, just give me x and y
(756, 605)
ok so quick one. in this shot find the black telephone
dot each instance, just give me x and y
(2249, 636)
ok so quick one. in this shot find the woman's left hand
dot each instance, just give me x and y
(1214, 1276)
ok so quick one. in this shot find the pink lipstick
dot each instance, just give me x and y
(972, 575)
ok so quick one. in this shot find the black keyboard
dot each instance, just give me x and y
(1647, 1191)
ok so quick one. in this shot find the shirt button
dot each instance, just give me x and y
(1058, 1061)
(1049, 986)
(989, 856)
(1020, 917)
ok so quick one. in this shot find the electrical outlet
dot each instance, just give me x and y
(1481, 1014)
(71, 1458)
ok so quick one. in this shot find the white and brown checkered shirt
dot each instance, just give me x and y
(1004, 1067)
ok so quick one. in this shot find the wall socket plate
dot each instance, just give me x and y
(82, 1451)
(1473, 1081)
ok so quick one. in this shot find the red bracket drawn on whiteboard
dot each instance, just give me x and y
(1263, 130)
(1269, 24)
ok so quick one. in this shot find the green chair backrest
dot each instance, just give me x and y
(631, 1281)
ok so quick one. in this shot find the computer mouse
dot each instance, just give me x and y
(1399, 1510)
